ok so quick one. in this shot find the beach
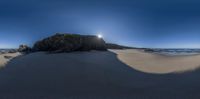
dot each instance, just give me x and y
(113, 74)
(4, 60)
(158, 63)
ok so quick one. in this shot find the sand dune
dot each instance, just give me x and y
(90, 75)
(155, 63)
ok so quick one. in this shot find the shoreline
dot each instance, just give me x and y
(158, 63)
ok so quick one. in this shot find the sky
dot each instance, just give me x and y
(137, 23)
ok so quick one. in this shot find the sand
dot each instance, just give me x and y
(91, 75)
(156, 63)
(4, 60)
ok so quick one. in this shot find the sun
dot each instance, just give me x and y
(99, 36)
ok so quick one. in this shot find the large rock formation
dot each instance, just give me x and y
(70, 42)
(115, 46)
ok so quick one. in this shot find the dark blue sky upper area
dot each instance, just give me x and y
(140, 23)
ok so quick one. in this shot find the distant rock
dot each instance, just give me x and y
(8, 57)
(115, 46)
(69, 43)
(12, 51)
(24, 48)
(149, 50)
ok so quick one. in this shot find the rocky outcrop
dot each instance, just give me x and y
(69, 43)
(24, 48)
(149, 50)
(8, 57)
(115, 46)
(12, 51)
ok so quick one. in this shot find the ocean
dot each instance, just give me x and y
(173, 52)
(7, 51)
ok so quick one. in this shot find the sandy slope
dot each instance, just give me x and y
(155, 63)
(90, 75)
(3, 60)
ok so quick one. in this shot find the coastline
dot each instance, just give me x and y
(158, 63)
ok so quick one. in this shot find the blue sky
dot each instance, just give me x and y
(140, 23)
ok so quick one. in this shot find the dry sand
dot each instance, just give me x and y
(155, 63)
(4, 60)
(91, 75)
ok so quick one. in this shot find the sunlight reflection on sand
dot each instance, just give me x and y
(3, 60)
(160, 64)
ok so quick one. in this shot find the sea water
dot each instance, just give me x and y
(7, 51)
(173, 52)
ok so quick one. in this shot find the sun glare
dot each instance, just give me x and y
(99, 36)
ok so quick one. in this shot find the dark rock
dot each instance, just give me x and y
(8, 57)
(93, 43)
(12, 51)
(24, 48)
(115, 46)
(70, 42)
(149, 50)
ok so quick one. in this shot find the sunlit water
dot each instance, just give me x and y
(175, 52)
